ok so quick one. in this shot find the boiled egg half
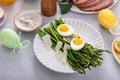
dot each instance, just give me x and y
(65, 30)
(77, 43)
(1, 13)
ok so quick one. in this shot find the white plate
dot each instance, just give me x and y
(75, 9)
(86, 32)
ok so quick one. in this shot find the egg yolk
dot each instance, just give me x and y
(63, 28)
(77, 41)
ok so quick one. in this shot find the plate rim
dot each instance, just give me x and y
(65, 19)
(83, 12)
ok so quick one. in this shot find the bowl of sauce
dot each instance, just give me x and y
(116, 49)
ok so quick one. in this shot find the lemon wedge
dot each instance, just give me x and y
(107, 18)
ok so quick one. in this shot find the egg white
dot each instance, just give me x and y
(70, 31)
(77, 47)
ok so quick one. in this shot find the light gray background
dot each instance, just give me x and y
(25, 66)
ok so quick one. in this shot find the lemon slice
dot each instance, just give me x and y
(1, 13)
(107, 18)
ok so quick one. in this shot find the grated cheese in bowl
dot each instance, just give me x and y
(28, 20)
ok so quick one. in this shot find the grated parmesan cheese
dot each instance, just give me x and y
(27, 22)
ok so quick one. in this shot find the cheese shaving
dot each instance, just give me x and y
(58, 46)
(47, 42)
(59, 55)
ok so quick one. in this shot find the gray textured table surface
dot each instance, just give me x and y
(25, 66)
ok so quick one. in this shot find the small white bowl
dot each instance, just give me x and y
(28, 20)
(115, 53)
(3, 18)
